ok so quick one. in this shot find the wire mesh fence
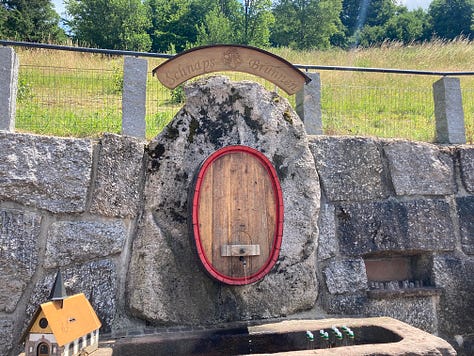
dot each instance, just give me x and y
(396, 112)
(85, 101)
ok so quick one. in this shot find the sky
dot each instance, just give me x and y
(415, 4)
(410, 4)
(59, 6)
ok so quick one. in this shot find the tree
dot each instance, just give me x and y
(3, 18)
(306, 24)
(217, 28)
(113, 24)
(452, 18)
(257, 21)
(170, 24)
(359, 16)
(408, 26)
(30, 20)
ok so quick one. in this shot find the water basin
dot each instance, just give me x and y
(372, 336)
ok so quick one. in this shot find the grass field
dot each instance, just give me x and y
(79, 94)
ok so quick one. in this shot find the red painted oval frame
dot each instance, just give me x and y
(276, 246)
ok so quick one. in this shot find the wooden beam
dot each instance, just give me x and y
(240, 250)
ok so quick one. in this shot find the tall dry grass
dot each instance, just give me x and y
(82, 90)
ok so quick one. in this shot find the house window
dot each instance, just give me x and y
(43, 323)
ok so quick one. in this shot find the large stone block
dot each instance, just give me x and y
(76, 242)
(308, 105)
(9, 65)
(19, 251)
(165, 272)
(135, 72)
(420, 168)
(449, 114)
(45, 172)
(346, 276)
(327, 245)
(6, 336)
(350, 169)
(466, 222)
(420, 225)
(466, 159)
(416, 311)
(119, 176)
(454, 273)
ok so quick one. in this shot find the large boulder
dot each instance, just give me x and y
(165, 272)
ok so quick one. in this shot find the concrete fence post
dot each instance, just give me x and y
(135, 72)
(8, 88)
(308, 105)
(449, 113)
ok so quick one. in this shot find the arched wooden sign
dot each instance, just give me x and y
(220, 58)
(237, 215)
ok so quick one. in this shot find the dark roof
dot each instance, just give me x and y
(59, 290)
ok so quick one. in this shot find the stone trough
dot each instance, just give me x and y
(372, 336)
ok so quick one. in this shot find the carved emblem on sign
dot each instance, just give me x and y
(221, 58)
(232, 58)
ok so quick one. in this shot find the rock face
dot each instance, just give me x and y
(165, 273)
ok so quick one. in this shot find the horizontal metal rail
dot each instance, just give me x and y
(382, 70)
(163, 55)
(114, 52)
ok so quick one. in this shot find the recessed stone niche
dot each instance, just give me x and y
(391, 275)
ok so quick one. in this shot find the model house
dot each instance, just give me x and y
(63, 326)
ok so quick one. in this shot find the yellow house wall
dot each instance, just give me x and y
(37, 329)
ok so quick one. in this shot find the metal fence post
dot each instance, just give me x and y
(135, 72)
(8, 88)
(449, 113)
(308, 105)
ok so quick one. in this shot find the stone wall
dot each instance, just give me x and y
(112, 214)
(398, 204)
(70, 204)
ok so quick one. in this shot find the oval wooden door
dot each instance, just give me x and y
(237, 215)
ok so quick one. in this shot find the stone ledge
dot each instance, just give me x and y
(404, 293)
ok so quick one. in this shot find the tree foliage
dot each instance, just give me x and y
(230, 21)
(257, 20)
(30, 20)
(306, 24)
(364, 21)
(175, 25)
(171, 24)
(407, 27)
(452, 18)
(113, 24)
(216, 28)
